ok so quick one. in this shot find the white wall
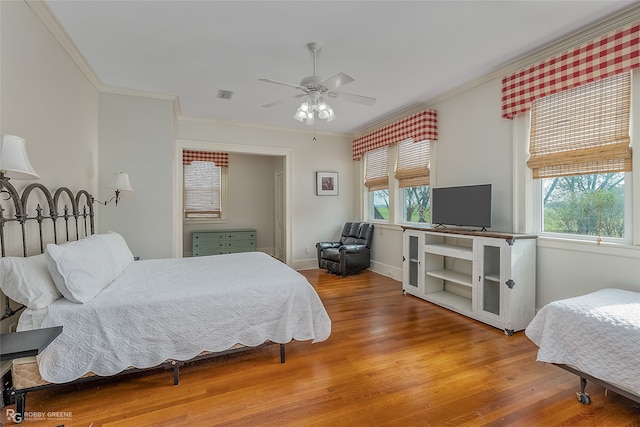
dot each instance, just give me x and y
(47, 100)
(136, 136)
(313, 218)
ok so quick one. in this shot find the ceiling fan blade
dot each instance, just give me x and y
(283, 83)
(339, 79)
(284, 100)
(359, 99)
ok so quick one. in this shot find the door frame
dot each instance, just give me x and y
(181, 144)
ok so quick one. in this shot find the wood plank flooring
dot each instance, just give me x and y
(391, 360)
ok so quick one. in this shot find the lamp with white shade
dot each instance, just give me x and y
(119, 182)
(14, 162)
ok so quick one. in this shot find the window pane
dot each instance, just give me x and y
(379, 202)
(590, 205)
(416, 206)
(202, 190)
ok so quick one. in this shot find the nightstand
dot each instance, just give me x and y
(27, 343)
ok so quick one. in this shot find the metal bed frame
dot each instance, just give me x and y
(583, 397)
(78, 216)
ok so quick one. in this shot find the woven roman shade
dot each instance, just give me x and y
(412, 167)
(376, 176)
(584, 130)
(613, 53)
(203, 183)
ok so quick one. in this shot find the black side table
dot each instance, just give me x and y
(27, 343)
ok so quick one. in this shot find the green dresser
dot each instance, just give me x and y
(223, 242)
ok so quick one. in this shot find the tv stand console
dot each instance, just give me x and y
(487, 276)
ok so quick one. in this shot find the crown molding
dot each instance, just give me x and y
(211, 120)
(632, 14)
(45, 15)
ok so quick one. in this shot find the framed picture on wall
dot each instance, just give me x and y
(327, 183)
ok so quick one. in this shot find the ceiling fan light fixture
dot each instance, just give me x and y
(315, 87)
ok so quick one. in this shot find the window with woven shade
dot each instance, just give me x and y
(376, 179)
(412, 166)
(584, 130)
(412, 173)
(377, 171)
(580, 155)
(203, 184)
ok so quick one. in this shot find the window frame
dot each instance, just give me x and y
(223, 201)
(396, 194)
(391, 188)
(527, 192)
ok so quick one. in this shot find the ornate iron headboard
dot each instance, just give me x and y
(77, 216)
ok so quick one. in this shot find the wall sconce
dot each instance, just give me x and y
(14, 162)
(119, 182)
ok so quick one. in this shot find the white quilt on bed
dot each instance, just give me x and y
(597, 333)
(176, 308)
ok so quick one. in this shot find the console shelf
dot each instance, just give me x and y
(489, 277)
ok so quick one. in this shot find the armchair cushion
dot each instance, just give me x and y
(351, 253)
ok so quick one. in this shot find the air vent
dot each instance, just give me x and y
(224, 94)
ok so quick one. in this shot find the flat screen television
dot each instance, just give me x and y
(464, 206)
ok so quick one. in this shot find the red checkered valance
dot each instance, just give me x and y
(419, 127)
(613, 53)
(220, 159)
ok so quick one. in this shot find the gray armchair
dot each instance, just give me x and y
(351, 253)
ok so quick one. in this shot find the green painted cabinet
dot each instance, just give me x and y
(223, 242)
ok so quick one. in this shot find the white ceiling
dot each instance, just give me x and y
(403, 53)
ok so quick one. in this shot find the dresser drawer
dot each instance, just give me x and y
(208, 237)
(240, 235)
(205, 252)
(241, 246)
(209, 245)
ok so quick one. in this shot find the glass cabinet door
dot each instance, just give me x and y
(412, 254)
(491, 286)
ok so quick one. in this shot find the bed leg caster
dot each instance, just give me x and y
(18, 416)
(281, 353)
(176, 372)
(583, 396)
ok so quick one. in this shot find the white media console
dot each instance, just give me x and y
(487, 276)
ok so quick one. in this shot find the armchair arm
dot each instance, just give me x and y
(354, 258)
(352, 249)
(324, 245)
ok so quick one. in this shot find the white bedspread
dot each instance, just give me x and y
(597, 333)
(176, 308)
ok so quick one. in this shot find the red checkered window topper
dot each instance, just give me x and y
(614, 53)
(419, 127)
(220, 159)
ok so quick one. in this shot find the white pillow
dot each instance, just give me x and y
(27, 280)
(82, 269)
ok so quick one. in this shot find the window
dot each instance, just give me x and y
(412, 173)
(204, 176)
(580, 156)
(377, 182)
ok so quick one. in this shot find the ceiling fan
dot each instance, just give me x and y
(315, 88)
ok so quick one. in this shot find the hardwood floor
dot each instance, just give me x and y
(391, 360)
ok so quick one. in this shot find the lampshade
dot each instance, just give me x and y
(312, 108)
(14, 162)
(120, 182)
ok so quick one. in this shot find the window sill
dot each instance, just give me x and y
(588, 246)
(204, 221)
